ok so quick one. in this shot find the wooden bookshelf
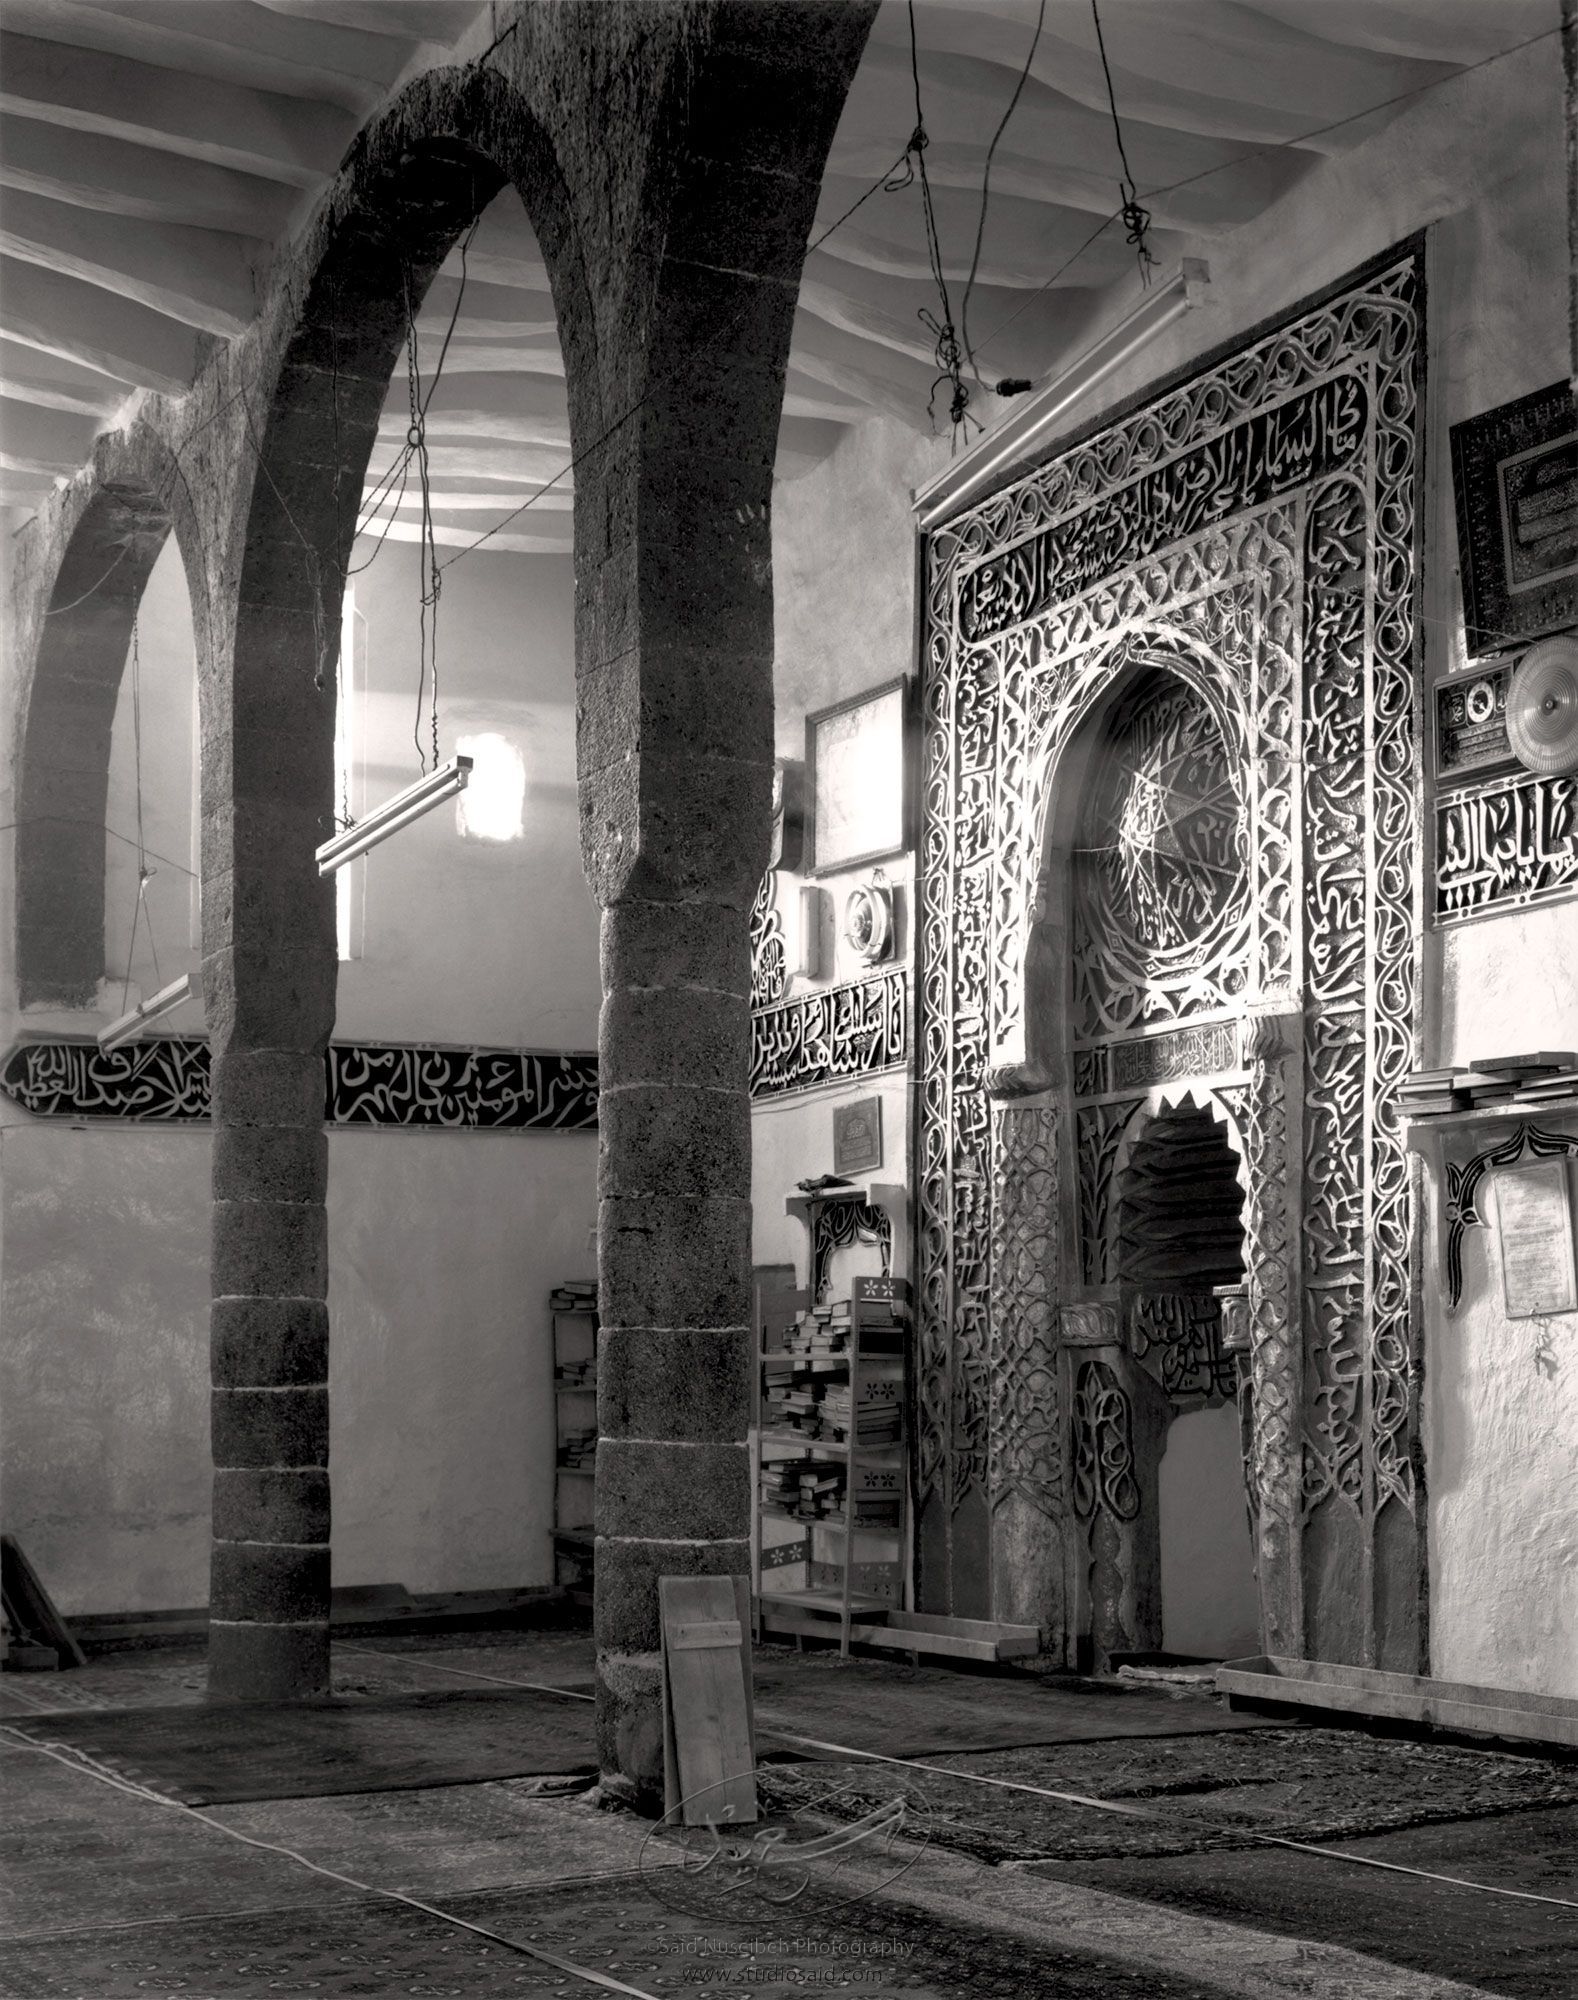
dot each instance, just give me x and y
(830, 1519)
(575, 1462)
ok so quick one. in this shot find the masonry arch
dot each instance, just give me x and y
(416, 179)
(675, 261)
(72, 685)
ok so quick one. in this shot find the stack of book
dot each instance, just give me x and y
(578, 1449)
(794, 1408)
(1425, 1092)
(884, 1325)
(1545, 1076)
(780, 1483)
(877, 1512)
(821, 1492)
(574, 1295)
(1552, 1087)
(878, 1420)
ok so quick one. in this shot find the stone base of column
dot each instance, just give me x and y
(248, 1662)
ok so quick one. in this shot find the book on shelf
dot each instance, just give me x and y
(578, 1448)
(574, 1295)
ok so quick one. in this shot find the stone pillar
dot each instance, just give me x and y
(269, 968)
(268, 1633)
(675, 747)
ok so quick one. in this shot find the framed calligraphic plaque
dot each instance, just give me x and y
(857, 779)
(1535, 1219)
(857, 1136)
(1515, 477)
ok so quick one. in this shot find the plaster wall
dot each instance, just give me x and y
(845, 572)
(844, 619)
(442, 1246)
(1501, 1438)
(792, 1140)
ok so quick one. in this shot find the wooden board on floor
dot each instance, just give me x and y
(906, 1631)
(709, 1741)
(30, 1610)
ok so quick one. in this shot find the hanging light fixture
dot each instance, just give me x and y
(131, 1025)
(1035, 423)
(395, 813)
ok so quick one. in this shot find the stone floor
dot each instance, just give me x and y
(527, 1887)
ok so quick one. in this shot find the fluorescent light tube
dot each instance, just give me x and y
(131, 1025)
(395, 813)
(1027, 430)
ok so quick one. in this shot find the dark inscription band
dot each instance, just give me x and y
(165, 1080)
(1513, 843)
(842, 1031)
(1309, 435)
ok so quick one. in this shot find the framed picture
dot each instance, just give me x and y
(1534, 1214)
(1471, 723)
(857, 779)
(1515, 478)
(857, 1135)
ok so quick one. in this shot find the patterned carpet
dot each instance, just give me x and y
(616, 1928)
(1211, 1794)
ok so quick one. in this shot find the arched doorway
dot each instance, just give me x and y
(1180, 1247)
(1155, 868)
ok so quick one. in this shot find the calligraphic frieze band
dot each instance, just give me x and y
(1506, 845)
(829, 1034)
(1311, 434)
(165, 1080)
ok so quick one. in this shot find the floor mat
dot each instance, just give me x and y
(614, 1927)
(1496, 1943)
(221, 1754)
(1209, 1795)
(903, 1711)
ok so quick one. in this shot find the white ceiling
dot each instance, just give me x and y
(152, 152)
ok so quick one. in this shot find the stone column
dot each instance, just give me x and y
(269, 970)
(675, 747)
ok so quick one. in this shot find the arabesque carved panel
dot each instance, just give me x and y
(1250, 533)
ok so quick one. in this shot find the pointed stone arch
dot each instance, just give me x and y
(115, 524)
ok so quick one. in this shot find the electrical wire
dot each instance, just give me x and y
(1149, 1811)
(55, 610)
(73, 1759)
(986, 193)
(1136, 220)
(948, 359)
(889, 182)
(465, 1673)
(1258, 152)
(65, 819)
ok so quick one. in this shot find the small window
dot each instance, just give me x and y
(493, 805)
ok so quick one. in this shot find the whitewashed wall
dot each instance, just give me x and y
(442, 1246)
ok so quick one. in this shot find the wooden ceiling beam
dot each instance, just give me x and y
(224, 44)
(201, 276)
(259, 132)
(440, 21)
(120, 178)
(87, 324)
(34, 439)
